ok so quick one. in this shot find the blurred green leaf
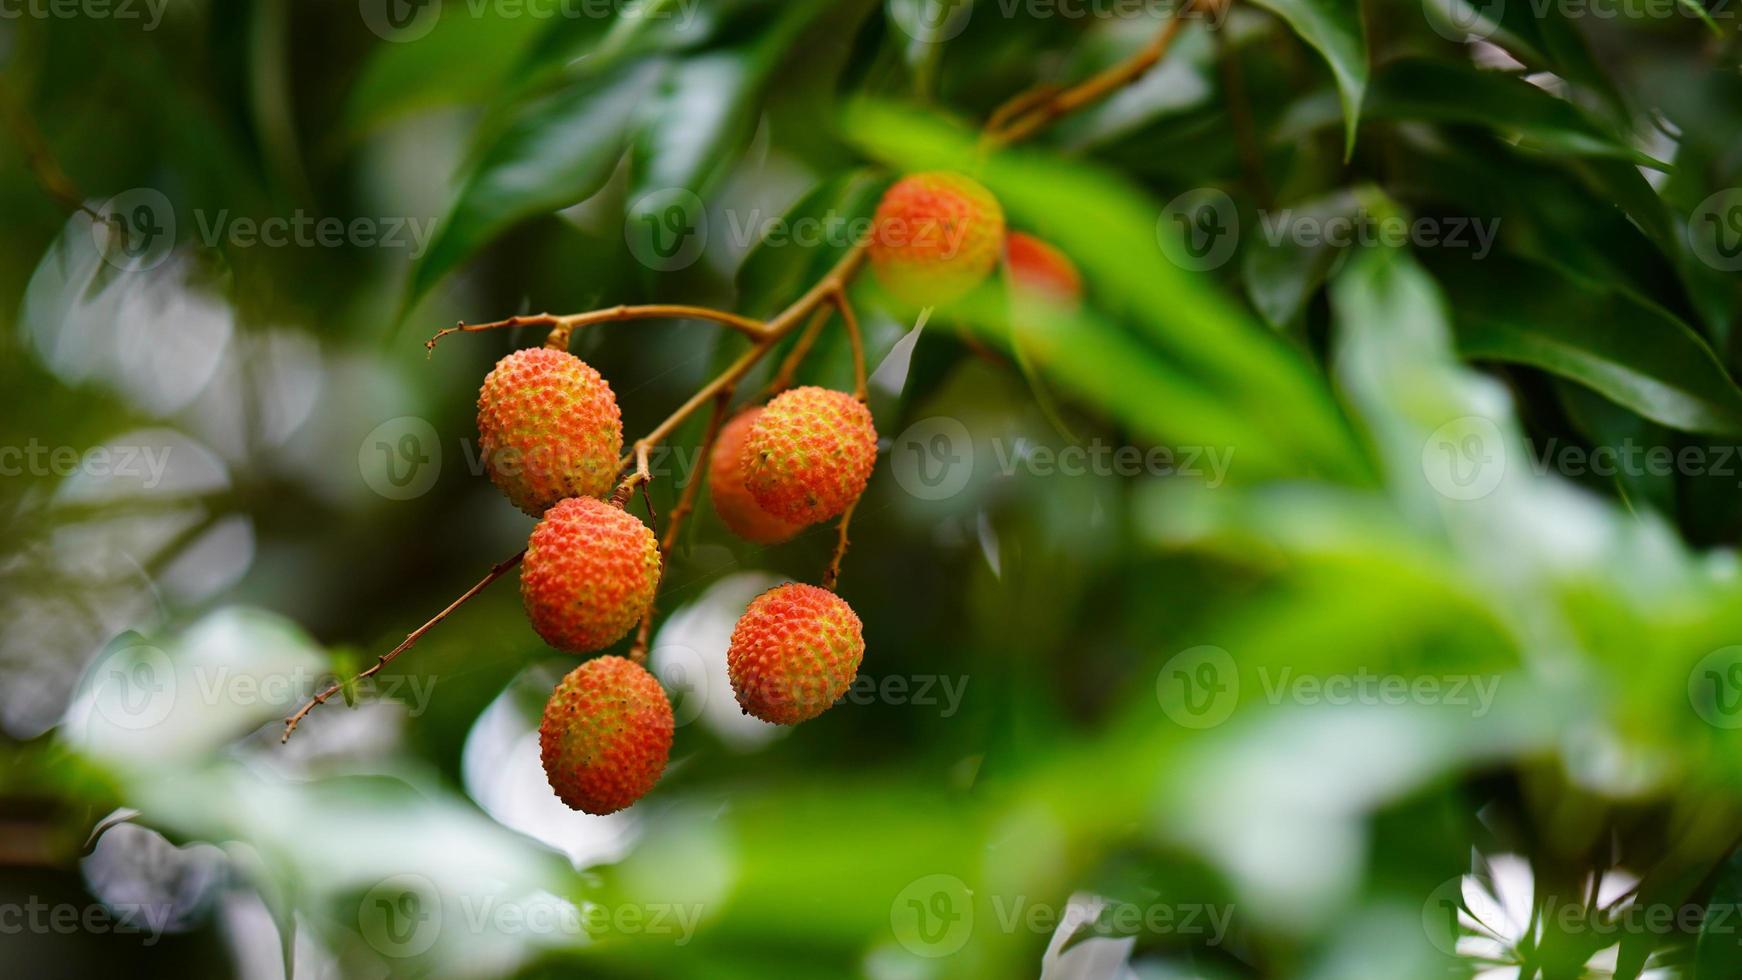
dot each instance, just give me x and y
(1447, 92)
(462, 60)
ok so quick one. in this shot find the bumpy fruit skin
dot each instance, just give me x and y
(794, 653)
(606, 735)
(809, 454)
(935, 237)
(738, 510)
(1037, 269)
(590, 573)
(549, 429)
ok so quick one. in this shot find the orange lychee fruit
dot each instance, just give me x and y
(809, 454)
(606, 735)
(549, 429)
(794, 653)
(935, 237)
(590, 573)
(1037, 270)
(738, 510)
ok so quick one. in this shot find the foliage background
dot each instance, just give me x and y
(1346, 383)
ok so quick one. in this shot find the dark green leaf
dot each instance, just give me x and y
(1635, 354)
(558, 153)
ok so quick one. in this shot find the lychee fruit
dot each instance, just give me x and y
(935, 237)
(809, 454)
(590, 573)
(794, 653)
(1036, 269)
(606, 735)
(738, 510)
(549, 429)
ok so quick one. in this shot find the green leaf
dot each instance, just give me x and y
(557, 153)
(1634, 354)
(1139, 269)
(1447, 92)
(706, 110)
(1719, 953)
(1333, 27)
(400, 78)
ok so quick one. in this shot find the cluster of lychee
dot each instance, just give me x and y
(551, 435)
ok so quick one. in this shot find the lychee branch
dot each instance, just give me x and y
(814, 306)
(686, 504)
(851, 322)
(502, 568)
(833, 575)
(800, 350)
(1036, 109)
(563, 326)
(777, 329)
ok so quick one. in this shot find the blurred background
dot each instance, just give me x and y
(1345, 588)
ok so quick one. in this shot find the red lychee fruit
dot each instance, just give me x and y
(548, 428)
(606, 735)
(809, 454)
(794, 653)
(590, 573)
(738, 510)
(1036, 269)
(935, 237)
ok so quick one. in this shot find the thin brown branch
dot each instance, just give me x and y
(1240, 112)
(680, 512)
(502, 568)
(1034, 118)
(642, 476)
(783, 324)
(794, 358)
(754, 329)
(530, 320)
(851, 322)
(40, 159)
(833, 575)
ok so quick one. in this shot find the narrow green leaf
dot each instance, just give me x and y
(1632, 353)
(1448, 92)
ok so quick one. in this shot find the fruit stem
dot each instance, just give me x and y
(1029, 113)
(788, 320)
(833, 574)
(501, 568)
(562, 326)
(800, 350)
(851, 322)
(686, 504)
